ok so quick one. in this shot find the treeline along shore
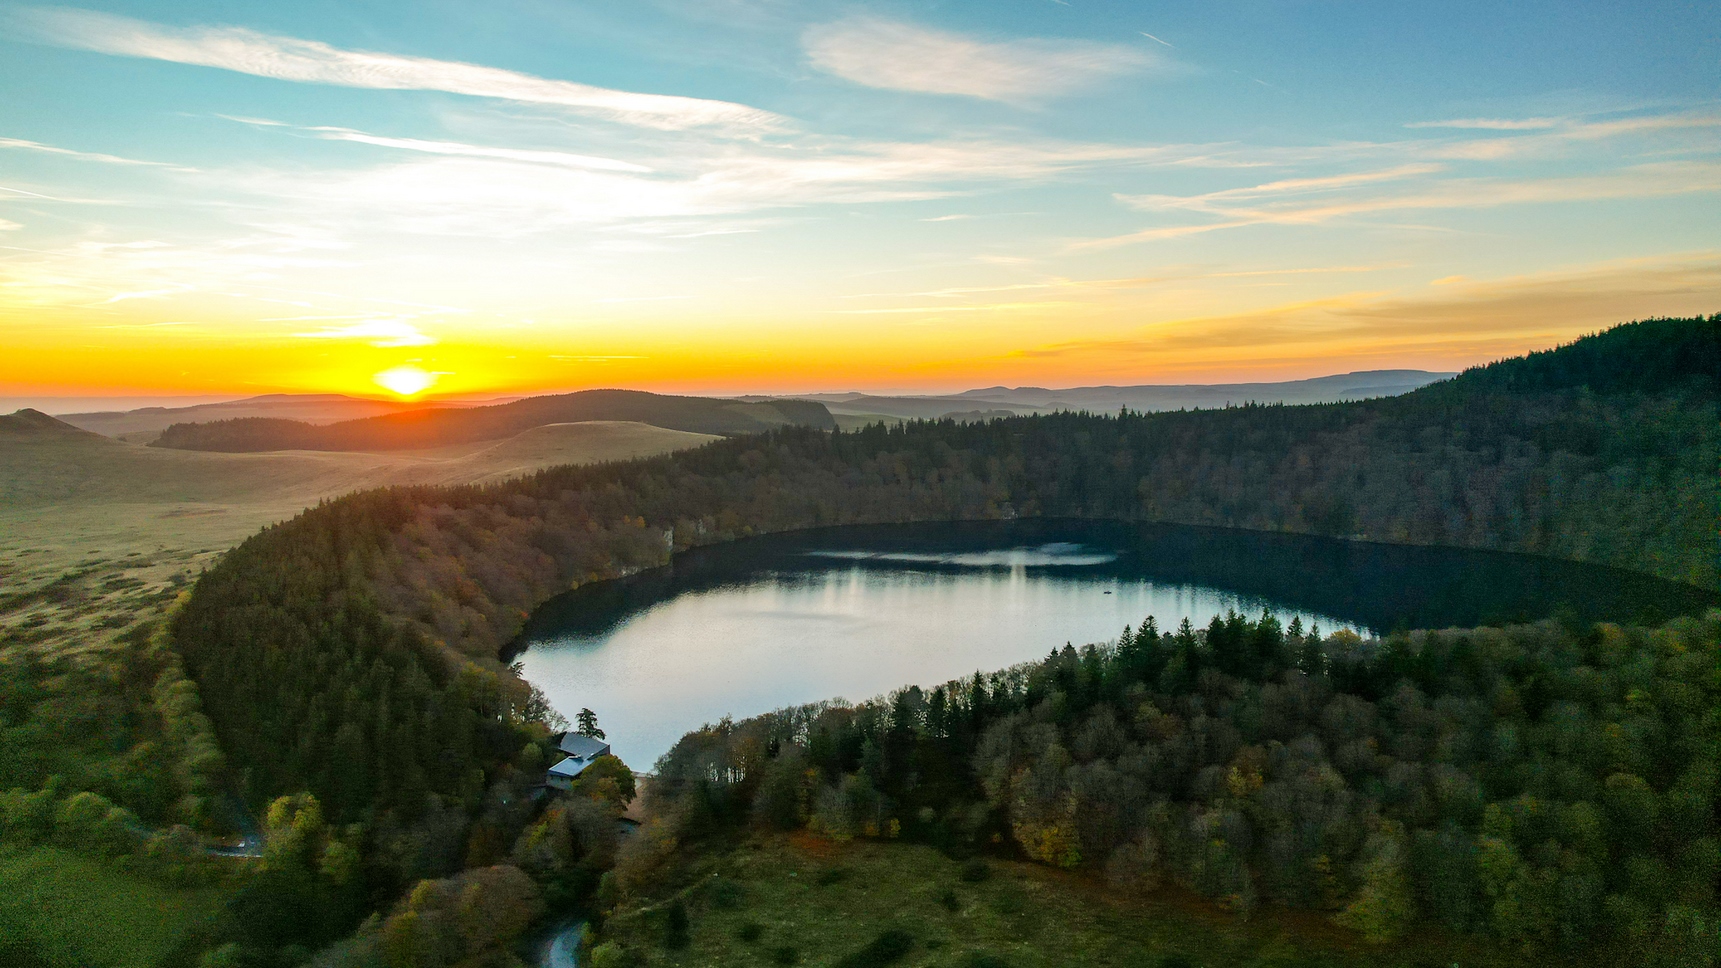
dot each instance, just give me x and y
(352, 654)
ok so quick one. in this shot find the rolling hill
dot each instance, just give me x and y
(442, 426)
(315, 408)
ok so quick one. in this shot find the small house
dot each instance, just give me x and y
(581, 750)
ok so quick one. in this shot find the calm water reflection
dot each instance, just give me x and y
(749, 627)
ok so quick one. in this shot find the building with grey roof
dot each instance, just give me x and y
(581, 750)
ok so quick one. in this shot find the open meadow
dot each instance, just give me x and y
(59, 909)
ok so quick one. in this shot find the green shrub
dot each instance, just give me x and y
(785, 954)
(724, 893)
(891, 946)
(88, 821)
(750, 932)
(675, 935)
(976, 870)
(26, 816)
(609, 955)
(949, 901)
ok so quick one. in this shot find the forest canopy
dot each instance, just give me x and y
(1549, 788)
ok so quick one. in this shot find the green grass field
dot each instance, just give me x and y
(809, 902)
(81, 913)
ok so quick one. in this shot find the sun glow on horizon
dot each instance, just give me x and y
(405, 381)
(1075, 204)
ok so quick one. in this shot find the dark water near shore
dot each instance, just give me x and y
(744, 628)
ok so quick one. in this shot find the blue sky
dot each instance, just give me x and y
(738, 195)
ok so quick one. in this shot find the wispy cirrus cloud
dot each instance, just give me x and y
(1218, 202)
(1491, 124)
(96, 156)
(905, 57)
(492, 194)
(385, 333)
(309, 61)
(529, 155)
(1292, 201)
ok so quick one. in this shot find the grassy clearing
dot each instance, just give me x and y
(76, 911)
(802, 901)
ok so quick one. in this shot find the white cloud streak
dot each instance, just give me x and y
(36, 146)
(1285, 203)
(502, 197)
(1491, 124)
(309, 61)
(904, 57)
(529, 155)
(384, 333)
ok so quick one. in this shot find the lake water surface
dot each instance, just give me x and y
(744, 628)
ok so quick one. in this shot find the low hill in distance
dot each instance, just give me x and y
(34, 425)
(1022, 401)
(315, 408)
(443, 426)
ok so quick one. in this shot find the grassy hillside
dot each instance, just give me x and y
(808, 900)
(43, 464)
(97, 535)
(64, 910)
(439, 427)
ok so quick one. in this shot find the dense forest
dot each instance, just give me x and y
(441, 426)
(1549, 788)
(351, 654)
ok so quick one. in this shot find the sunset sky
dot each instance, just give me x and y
(774, 196)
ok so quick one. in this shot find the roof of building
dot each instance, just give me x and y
(581, 745)
(570, 767)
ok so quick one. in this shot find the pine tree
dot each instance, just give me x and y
(588, 725)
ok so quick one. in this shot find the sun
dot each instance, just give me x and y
(405, 381)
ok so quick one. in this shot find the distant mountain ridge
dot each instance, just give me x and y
(441, 426)
(141, 424)
(1338, 388)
